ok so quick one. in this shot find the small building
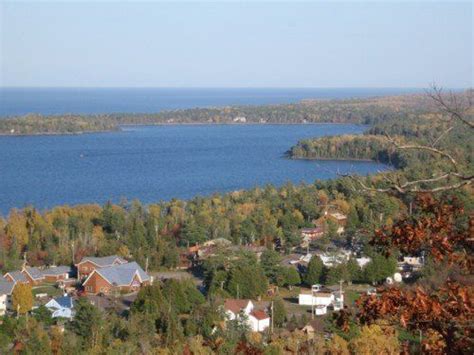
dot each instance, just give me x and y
(320, 310)
(311, 234)
(335, 217)
(257, 320)
(311, 298)
(127, 277)
(61, 307)
(6, 290)
(90, 263)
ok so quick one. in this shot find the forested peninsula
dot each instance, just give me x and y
(359, 111)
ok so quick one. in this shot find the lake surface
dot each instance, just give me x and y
(159, 163)
(20, 101)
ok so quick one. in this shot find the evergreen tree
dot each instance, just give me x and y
(315, 270)
(270, 261)
(87, 322)
(279, 312)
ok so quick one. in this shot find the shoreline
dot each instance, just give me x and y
(337, 159)
(3, 134)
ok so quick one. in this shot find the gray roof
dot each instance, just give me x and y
(17, 275)
(39, 273)
(103, 261)
(6, 287)
(34, 272)
(122, 275)
(57, 270)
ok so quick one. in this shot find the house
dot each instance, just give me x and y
(339, 219)
(6, 290)
(90, 263)
(56, 273)
(15, 276)
(125, 277)
(61, 307)
(311, 298)
(37, 275)
(257, 320)
(234, 307)
(310, 234)
(320, 298)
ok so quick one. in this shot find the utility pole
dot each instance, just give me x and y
(272, 318)
(237, 291)
(312, 303)
(146, 264)
(72, 250)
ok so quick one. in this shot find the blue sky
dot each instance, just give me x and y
(284, 44)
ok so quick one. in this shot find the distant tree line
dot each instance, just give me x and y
(359, 111)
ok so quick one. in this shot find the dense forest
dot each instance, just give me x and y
(362, 111)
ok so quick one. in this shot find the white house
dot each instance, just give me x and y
(257, 320)
(6, 289)
(321, 300)
(305, 298)
(61, 307)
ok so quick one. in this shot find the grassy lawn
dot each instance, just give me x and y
(49, 289)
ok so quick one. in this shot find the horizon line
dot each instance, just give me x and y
(231, 87)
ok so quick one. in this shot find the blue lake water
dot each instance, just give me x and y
(159, 163)
(20, 101)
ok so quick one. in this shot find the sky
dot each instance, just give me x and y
(235, 44)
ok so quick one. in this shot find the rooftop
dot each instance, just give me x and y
(235, 305)
(103, 260)
(123, 274)
(6, 287)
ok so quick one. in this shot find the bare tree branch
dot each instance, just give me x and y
(452, 108)
(456, 108)
(423, 147)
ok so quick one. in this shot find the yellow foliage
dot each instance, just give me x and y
(338, 346)
(374, 339)
(22, 298)
(16, 227)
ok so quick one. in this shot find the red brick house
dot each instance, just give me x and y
(90, 263)
(127, 277)
(35, 275)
